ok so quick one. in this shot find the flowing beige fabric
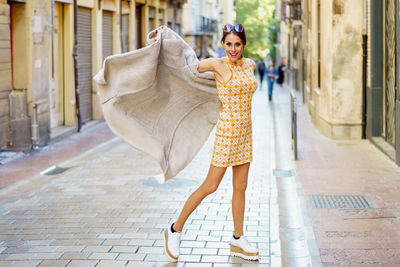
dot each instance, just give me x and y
(155, 99)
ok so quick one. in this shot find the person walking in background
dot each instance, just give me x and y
(271, 75)
(261, 69)
(281, 71)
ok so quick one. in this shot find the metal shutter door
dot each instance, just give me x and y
(389, 106)
(125, 33)
(138, 18)
(84, 63)
(107, 34)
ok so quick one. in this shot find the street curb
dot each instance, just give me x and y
(298, 244)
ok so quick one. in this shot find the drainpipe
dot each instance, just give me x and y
(11, 44)
(35, 128)
(364, 72)
(52, 39)
(120, 26)
(75, 55)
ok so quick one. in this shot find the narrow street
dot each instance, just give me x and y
(105, 208)
(74, 194)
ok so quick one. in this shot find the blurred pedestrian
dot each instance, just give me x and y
(271, 76)
(236, 85)
(281, 72)
(261, 69)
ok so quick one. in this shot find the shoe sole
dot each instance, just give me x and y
(169, 255)
(239, 252)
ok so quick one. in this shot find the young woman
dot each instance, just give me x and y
(236, 84)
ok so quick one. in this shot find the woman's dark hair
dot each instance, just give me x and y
(242, 35)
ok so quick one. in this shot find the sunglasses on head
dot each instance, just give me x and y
(236, 28)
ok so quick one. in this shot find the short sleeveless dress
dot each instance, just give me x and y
(233, 142)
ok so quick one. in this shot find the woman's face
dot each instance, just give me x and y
(271, 63)
(233, 47)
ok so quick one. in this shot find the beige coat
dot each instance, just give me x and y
(155, 99)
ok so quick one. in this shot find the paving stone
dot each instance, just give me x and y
(156, 258)
(140, 236)
(103, 256)
(193, 244)
(110, 236)
(130, 256)
(97, 248)
(76, 255)
(208, 258)
(208, 238)
(141, 242)
(115, 242)
(136, 219)
(21, 249)
(64, 242)
(111, 263)
(224, 251)
(191, 264)
(70, 248)
(19, 263)
(229, 265)
(34, 256)
(54, 263)
(89, 242)
(154, 264)
(124, 249)
(151, 250)
(42, 249)
(189, 258)
(205, 251)
(216, 245)
(82, 263)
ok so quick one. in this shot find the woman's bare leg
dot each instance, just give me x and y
(240, 175)
(209, 186)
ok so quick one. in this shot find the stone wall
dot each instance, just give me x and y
(5, 72)
(339, 101)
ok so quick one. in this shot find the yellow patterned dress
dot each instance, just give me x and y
(233, 142)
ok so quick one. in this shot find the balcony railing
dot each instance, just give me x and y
(208, 25)
(291, 10)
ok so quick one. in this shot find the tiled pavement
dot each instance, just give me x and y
(108, 210)
(369, 237)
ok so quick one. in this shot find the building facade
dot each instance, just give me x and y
(226, 15)
(46, 88)
(289, 41)
(350, 69)
(200, 19)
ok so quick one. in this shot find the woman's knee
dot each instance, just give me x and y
(240, 185)
(209, 188)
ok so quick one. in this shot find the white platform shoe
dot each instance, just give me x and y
(171, 244)
(241, 248)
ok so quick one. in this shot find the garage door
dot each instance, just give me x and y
(107, 34)
(125, 33)
(85, 63)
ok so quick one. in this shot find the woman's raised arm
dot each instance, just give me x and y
(207, 65)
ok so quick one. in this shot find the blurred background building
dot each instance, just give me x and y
(203, 21)
(39, 78)
(343, 57)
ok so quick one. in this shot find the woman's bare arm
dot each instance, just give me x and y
(208, 64)
(216, 65)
